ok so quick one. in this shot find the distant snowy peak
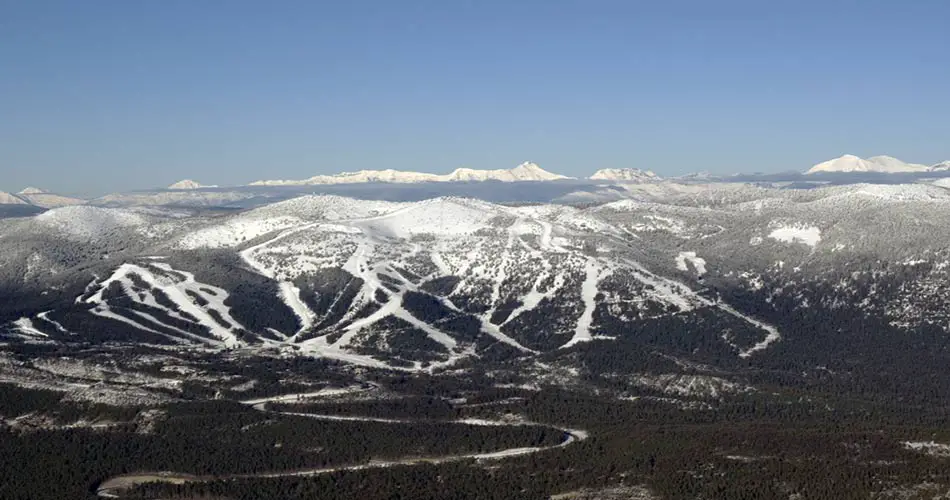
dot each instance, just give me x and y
(188, 184)
(528, 171)
(625, 174)
(525, 172)
(38, 198)
(880, 164)
(940, 167)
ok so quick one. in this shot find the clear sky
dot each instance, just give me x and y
(103, 95)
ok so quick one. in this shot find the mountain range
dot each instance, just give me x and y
(463, 181)
(525, 172)
(765, 323)
(411, 285)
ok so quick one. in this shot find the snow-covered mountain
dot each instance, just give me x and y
(940, 167)
(897, 165)
(880, 164)
(525, 172)
(39, 198)
(9, 199)
(625, 175)
(411, 285)
(188, 184)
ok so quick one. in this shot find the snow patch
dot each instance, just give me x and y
(698, 263)
(807, 235)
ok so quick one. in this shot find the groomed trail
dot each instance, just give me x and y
(115, 486)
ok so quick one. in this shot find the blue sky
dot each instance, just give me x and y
(105, 95)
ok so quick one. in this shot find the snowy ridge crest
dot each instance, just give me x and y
(527, 171)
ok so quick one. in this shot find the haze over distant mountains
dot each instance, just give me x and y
(192, 193)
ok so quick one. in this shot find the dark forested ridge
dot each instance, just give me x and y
(756, 445)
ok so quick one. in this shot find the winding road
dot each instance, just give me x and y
(115, 486)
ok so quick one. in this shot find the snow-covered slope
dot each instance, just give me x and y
(415, 285)
(180, 198)
(940, 167)
(38, 198)
(50, 200)
(90, 222)
(625, 175)
(881, 164)
(525, 172)
(895, 165)
(9, 199)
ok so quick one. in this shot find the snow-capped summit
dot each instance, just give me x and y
(525, 172)
(529, 171)
(33, 190)
(625, 174)
(188, 184)
(881, 164)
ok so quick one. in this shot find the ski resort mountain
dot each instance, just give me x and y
(349, 279)
(744, 307)
(625, 175)
(525, 172)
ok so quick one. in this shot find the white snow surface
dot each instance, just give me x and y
(932, 448)
(698, 263)
(807, 235)
(593, 275)
(25, 325)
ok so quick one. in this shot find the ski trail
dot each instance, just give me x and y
(45, 317)
(104, 311)
(152, 319)
(676, 291)
(772, 336)
(589, 289)
(25, 325)
(177, 290)
(290, 294)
